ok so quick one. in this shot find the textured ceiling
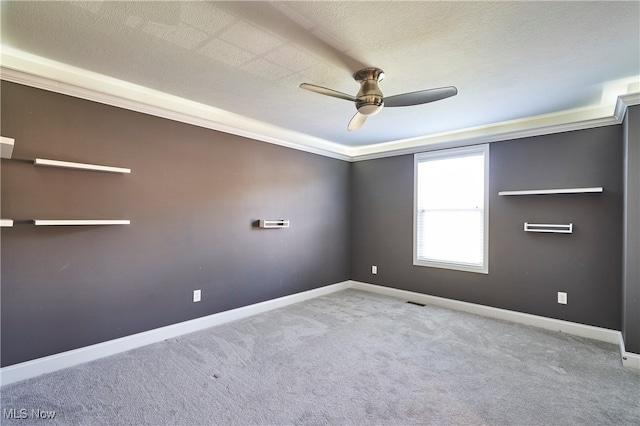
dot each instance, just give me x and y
(509, 60)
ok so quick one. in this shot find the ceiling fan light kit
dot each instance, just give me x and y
(370, 100)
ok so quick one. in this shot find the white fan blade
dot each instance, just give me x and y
(328, 92)
(421, 97)
(357, 121)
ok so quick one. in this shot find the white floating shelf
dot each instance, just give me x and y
(43, 222)
(551, 228)
(6, 147)
(6, 223)
(553, 191)
(80, 166)
(274, 223)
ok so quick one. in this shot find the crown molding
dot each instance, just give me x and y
(31, 70)
(565, 121)
(623, 102)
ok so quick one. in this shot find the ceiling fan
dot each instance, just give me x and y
(370, 100)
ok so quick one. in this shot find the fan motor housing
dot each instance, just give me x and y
(369, 100)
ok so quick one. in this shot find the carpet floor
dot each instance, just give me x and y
(348, 358)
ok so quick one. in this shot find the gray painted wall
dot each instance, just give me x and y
(631, 242)
(192, 197)
(194, 194)
(526, 270)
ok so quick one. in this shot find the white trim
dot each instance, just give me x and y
(588, 331)
(629, 359)
(449, 154)
(26, 370)
(31, 70)
(6, 223)
(80, 166)
(545, 124)
(623, 102)
(49, 364)
(564, 121)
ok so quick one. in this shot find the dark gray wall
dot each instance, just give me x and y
(631, 241)
(194, 193)
(526, 270)
(192, 197)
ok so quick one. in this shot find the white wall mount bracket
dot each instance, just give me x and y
(548, 227)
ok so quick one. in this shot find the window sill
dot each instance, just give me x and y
(453, 266)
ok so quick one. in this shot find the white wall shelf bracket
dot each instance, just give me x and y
(47, 222)
(79, 166)
(6, 147)
(554, 191)
(550, 228)
(273, 223)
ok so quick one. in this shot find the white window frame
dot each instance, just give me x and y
(452, 153)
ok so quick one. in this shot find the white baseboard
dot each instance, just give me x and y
(596, 333)
(629, 359)
(26, 370)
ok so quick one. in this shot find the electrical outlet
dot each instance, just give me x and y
(562, 298)
(197, 295)
(374, 269)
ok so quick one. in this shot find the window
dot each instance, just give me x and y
(451, 209)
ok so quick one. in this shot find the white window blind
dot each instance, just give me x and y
(451, 209)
